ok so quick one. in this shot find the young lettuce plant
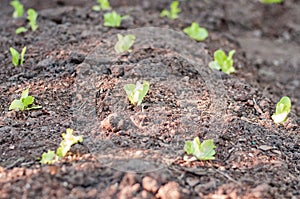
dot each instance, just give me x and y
(24, 103)
(102, 4)
(15, 56)
(124, 43)
(202, 151)
(271, 1)
(196, 32)
(283, 108)
(113, 19)
(68, 140)
(32, 17)
(18, 8)
(136, 93)
(223, 62)
(174, 11)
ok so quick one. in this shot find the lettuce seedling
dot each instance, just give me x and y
(102, 4)
(283, 108)
(15, 56)
(65, 145)
(196, 32)
(271, 1)
(18, 8)
(223, 62)
(202, 151)
(21, 30)
(32, 17)
(113, 19)
(136, 93)
(124, 43)
(174, 10)
(24, 103)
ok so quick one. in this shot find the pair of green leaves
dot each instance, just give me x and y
(271, 1)
(174, 11)
(32, 16)
(196, 32)
(15, 56)
(136, 93)
(202, 151)
(113, 19)
(223, 62)
(124, 43)
(102, 4)
(68, 140)
(24, 103)
(283, 108)
(18, 8)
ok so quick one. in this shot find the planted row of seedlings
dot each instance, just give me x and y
(135, 92)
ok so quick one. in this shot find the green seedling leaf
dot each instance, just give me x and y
(49, 157)
(69, 140)
(32, 17)
(202, 151)
(124, 43)
(23, 55)
(196, 32)
(14, 56)
(223, 62)
(24, 103)
(283, 108)
(102, 4)
(113, 19)
(271, 1)
(18, 8)
(136, 93)
(21, 30)
(174, 11)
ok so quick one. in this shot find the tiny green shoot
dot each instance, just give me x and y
(173, 13)
(113, 19)
(18, 8)
(15, 56)
(223, 62)
(124, 43)
(24, 103)
(21, 30)
(202, 151)
(271, 1)
(65, 145)
(283, 108)
(136, 93)
(102, 4)
(196, 32)
(32, 17)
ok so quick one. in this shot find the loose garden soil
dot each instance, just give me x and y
(137, 152)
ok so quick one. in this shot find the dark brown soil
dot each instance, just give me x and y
(137, 152)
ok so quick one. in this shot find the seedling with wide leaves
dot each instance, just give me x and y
(202, 151)
(24, 103)
(18, 8)
(136, 93)
(68, 140)
(32, 16)
(174, 11)
(283, 108)
(113, 19)
(16, 59)
(196, 32)
(223, 62)
(124, 43)
(102, 5)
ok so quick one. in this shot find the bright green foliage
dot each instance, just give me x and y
(113, 19)
(32, 17)
(102, 4)
(18, 8)
(283, 108)
(124, 43)
(15, 56)
(136, 93)
(24, 103)
(65, 145)
(202, 151)
(223, 62)
(271, 1)
(21, 30)
(174, 10)
(196, 32)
